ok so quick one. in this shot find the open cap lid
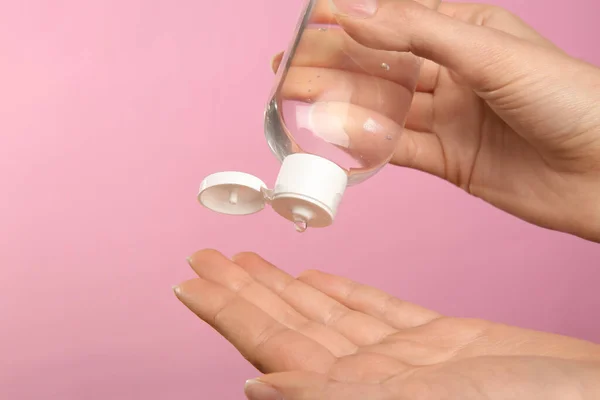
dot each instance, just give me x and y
(233, 193)
(307, 191)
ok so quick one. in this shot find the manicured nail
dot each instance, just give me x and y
(176, 290)
(256, 390)
(354, 8)
(189, 261)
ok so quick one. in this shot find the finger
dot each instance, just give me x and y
(486, 58)
(420, 114)
(365, 134)
(324, 11)
(496, 18)
(266, 343)
(334, 49)
(321, 13)
(369, 300)
(370, 136)
(359, 328)
(355, 58)
(215, 267)
(311, 386)
(421, 151)
(276, 61)
(315, 84)
(474, 14)
(428, 77)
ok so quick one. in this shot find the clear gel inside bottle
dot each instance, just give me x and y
(338, 99)
(334, 118)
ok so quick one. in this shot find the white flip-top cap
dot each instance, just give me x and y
(308, 191)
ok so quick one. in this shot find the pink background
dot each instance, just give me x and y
(111, 113)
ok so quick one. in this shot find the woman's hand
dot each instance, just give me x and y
(324, 337)
(499, 110)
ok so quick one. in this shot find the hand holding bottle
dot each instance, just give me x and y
(499, 110)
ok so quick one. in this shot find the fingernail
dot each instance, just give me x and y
(354, 8)
(256, 390)
(189, 261)
(176, 290)
(323, 121)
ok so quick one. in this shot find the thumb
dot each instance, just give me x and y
(487, 59)
(300, 385)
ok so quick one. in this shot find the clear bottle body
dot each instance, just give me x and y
(337, 99)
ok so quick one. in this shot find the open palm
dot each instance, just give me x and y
(330, 338)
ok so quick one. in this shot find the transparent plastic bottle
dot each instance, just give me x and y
(335, 115)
